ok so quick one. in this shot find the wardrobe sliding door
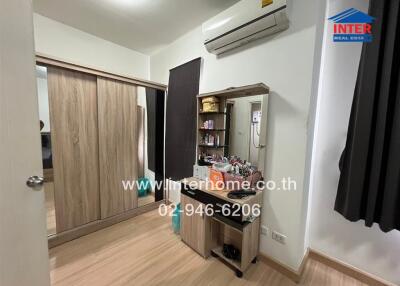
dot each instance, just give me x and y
(118, 145)
(73, 117)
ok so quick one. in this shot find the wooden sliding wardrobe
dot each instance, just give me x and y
(118, 145)
(74, 121)
(97, 135)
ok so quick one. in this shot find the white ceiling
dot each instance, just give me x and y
(142, 25)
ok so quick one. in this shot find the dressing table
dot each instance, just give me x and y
(220, 220)
(209, 218)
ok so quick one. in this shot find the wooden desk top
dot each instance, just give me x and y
(223, 194)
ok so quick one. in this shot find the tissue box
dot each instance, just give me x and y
(196, 171)
(200, 172)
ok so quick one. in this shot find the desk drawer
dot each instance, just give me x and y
(234, 210)
(196, 194)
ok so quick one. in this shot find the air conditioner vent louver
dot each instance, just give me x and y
(242, 23)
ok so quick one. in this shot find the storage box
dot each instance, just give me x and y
(216, 179)
(210, 104)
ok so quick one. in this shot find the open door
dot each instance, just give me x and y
(23, 236)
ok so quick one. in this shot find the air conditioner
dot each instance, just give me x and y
(245, 21)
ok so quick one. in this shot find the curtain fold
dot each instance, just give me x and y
(369, 184)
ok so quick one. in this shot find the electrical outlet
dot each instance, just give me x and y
(264, 230)
(279, 237)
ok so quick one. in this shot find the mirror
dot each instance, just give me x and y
(232, 130)
(146, 180)
(45, 132)
(244, 135)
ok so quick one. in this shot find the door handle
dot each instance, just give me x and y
(35, 182)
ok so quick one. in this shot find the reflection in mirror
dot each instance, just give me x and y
(146, 174)
(45, 132)
(244, 132)
(245, 128)
(232, 132)
(255, 132)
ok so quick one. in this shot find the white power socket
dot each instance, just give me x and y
(279, 237)
(264, 230)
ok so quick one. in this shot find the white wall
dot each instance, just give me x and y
(285, 63)
(366, 248)
(64, 42)
(61, 41)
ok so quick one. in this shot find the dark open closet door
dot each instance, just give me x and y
(155, 137)
(180, 141)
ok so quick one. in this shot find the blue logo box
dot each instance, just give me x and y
(367, 38)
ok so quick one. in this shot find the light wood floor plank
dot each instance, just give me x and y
(145, 251)
(50, 210)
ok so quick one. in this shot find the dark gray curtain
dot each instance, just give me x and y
(369, 185)
(180, 137)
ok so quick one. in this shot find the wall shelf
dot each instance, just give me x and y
(215, 129)
(235, 263)
(211, 112)
(212, 146)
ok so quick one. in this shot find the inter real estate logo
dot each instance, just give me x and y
(352, 25)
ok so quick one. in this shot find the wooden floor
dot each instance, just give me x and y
(148, 199)
(50, 209)
(145, 251)
(50, 206)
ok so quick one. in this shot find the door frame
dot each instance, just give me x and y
(46, 60)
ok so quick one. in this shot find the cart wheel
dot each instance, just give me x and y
(213, 254)
(254, 261)
(239, 274)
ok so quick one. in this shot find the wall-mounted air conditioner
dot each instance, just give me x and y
(245, 21)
